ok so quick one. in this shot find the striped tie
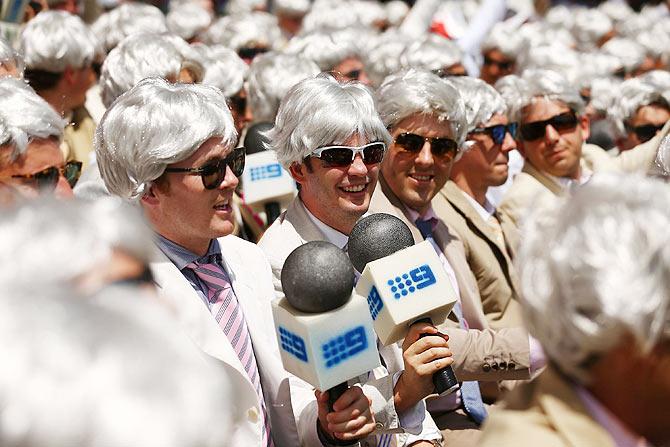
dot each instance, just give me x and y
(228, 314)
(470, 393)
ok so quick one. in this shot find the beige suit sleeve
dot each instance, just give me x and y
(488, 355)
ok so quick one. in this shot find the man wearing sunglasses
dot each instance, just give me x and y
(170, 148)
(499, 51)
(330, 138)
(427, 120)
(552, 132)
(31, 162)
(640, 111)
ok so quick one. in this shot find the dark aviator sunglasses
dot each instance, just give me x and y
(214, 171)
(47, 179)
(533, 131)
(439, 146)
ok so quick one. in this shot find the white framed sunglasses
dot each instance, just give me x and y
(340, 156)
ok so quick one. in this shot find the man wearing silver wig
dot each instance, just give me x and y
(427, 120)
(595, 274)
(552, 132)
(330, 138)
(171, 149)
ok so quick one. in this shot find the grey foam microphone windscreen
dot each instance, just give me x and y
(317, 277)
(255, 140)
(375, 237)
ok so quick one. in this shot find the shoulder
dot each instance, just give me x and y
(504, 426)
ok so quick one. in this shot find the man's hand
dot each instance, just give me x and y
(351, 418)
(422, 357)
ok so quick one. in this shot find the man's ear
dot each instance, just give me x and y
(150, 198)
(298, 171)
(585, 125)
(69, 75)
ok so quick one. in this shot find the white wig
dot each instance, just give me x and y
(187, 20)
(294, 8)
(384, 58)
(128, 19)
(116, 369)
(320, 111)
(504, 38)
(329, 16)
(595, 267)
(630, 53)
(56, 40)
(656, 44)
(26, 115)
(324, 49)
(139, 56)
(659, 79)
(224, 69)
(603, 94)
(560, 16)
(482, 101)
(512, 89)
(73, 238)
(8, 55)
(396, 11)
(552, 86)
(271, 76)
(590, 26)
(630, 96)
(154, 125)
(256, 29)
(617, 11)
(431, 53)
(411, 92)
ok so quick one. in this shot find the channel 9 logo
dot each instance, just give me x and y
(408, 283)
(266, 172)
(344, 346)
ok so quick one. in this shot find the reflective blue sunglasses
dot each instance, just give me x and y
(498, 131)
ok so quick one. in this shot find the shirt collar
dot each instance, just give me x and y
(622, 436)
(332, 235)
(428, 215)
(180, 256)
(566, 183)
(485, 212)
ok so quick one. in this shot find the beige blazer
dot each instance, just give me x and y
(78, 136)
(531, 186)
(546, 412)
(489, 261)
(480, 353)
(252, 282)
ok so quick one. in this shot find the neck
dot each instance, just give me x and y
(56, 100)
(477, 193)
(343, 223)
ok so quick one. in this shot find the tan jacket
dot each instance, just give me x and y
(480, 353)
(489, 261)
(78, 136)
(546, 412)
(531, 186)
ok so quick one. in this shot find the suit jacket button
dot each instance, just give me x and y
(494, 366)
(503, 365)
(379, 426)
(511, 366)
(486, 367)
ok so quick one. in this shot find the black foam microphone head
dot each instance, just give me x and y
(254, 140)
(377, 236)
(317, 277)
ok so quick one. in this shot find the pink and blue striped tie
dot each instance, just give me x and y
(228, 314)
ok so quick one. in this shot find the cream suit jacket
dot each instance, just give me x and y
(546, 412)
(292, 229)
(481, 353)
(489, 261)
(251, 280)
(531, 186)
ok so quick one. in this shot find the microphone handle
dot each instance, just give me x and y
(334, 393)
(445, 380)
(272, 211)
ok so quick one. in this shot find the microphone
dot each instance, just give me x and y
(325, 332)
(267, 185)
(403, 283)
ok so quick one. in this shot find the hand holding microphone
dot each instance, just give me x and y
(326, 336)
(406, 286)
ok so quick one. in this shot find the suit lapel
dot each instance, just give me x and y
(547, 182)
(297, 215)
(192, 313)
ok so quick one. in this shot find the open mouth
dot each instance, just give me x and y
(223, 206)
(353, 188)
(421, 177)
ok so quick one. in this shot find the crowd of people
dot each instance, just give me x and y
(527, 142)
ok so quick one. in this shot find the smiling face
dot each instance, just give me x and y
(415, 178)
(183, 211)
(337, 196)
(557, 152)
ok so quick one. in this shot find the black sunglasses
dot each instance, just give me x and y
(341, 156)
(213, 173)
(251, 52)
(502, 65)
(47, 179)
(535, 130)
(646, 132)
(439, 147)
(498, 131)
(444, 73)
